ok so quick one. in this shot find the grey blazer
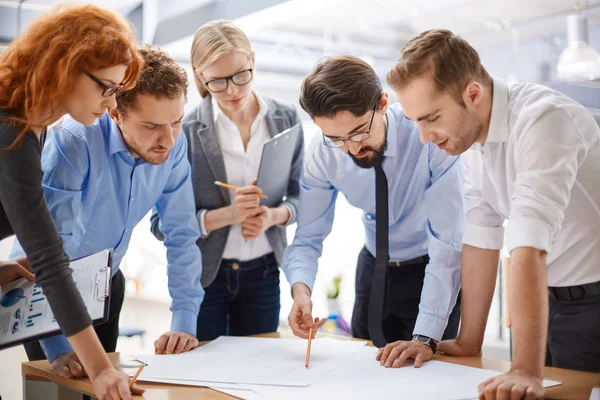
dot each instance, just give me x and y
(207, 164)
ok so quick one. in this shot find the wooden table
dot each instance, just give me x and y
(40, 382)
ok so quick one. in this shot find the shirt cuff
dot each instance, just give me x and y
(55, 347)
(430, 326)
(527, 232)
(184, 321)
(200, 215)
(295, 275)
(292, 210)
(483, 237)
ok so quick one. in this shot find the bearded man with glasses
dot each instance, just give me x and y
(408, 273)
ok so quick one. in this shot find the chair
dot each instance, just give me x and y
(131, 332)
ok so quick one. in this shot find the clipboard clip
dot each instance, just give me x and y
(101, 293)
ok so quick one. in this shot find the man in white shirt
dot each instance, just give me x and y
(534, 160)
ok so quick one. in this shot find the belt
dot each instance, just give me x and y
(574, 293)
(417, 260)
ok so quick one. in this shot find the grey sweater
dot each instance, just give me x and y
(23, 211)
(207, 164)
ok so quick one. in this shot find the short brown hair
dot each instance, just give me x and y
(340, 83)
(160, 77)
(450, 60)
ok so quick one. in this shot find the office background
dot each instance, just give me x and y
(517, 40)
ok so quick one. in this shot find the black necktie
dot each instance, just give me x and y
(378, 298)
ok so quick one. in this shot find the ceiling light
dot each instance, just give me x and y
(579, 61)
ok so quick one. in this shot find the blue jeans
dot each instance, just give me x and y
(243, 299)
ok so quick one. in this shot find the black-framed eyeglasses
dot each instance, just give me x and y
(356, 138)
(107, 90)
(221, 84)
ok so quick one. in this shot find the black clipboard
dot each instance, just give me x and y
(35, 307)
(275, 165)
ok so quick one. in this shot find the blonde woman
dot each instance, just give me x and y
(242, 243)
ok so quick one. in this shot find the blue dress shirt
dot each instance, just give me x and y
(97, 193)
(426, 213)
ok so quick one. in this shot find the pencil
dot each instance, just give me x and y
(228, 186)
(308, 347)
(139, 371)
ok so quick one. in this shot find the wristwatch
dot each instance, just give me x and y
(427, 341)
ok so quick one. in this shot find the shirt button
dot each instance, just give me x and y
(497, 194)
(369, 216)
(132, 199)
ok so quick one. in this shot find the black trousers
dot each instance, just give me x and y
(107, 332)
(405, 284)
(574, 329)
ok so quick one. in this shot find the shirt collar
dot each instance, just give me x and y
(263, 108)
(116, 144)
(391, 135)
(498, 131)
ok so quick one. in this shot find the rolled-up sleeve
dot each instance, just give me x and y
(483, 226)
(547, 158)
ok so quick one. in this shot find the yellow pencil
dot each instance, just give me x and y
(308, 347)
(139, 371)
(228, 186)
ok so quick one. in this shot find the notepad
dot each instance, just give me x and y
(25, 314)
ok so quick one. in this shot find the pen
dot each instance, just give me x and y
(228, 186)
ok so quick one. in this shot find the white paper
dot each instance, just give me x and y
(595, 394)
(212, 385)
(262, 361)
(25, 312)
(361, 376)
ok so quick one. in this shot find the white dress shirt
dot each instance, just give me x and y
(540, 169)
(241, 168)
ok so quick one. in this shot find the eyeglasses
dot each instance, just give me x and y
(221, 84)
(107, 90)
(356, 138)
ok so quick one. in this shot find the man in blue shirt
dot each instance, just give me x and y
(100, 181)
(343, 95)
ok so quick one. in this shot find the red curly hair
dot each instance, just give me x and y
(39, 68)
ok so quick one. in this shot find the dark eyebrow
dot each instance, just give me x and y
(155, 124)
(424, 116)
(351, 132)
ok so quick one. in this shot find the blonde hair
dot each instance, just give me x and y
(212, 41)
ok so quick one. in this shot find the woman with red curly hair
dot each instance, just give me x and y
(70, 61)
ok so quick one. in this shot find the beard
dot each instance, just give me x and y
(154, 158)
(374, 158)
(149, 155)
(471, 126)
